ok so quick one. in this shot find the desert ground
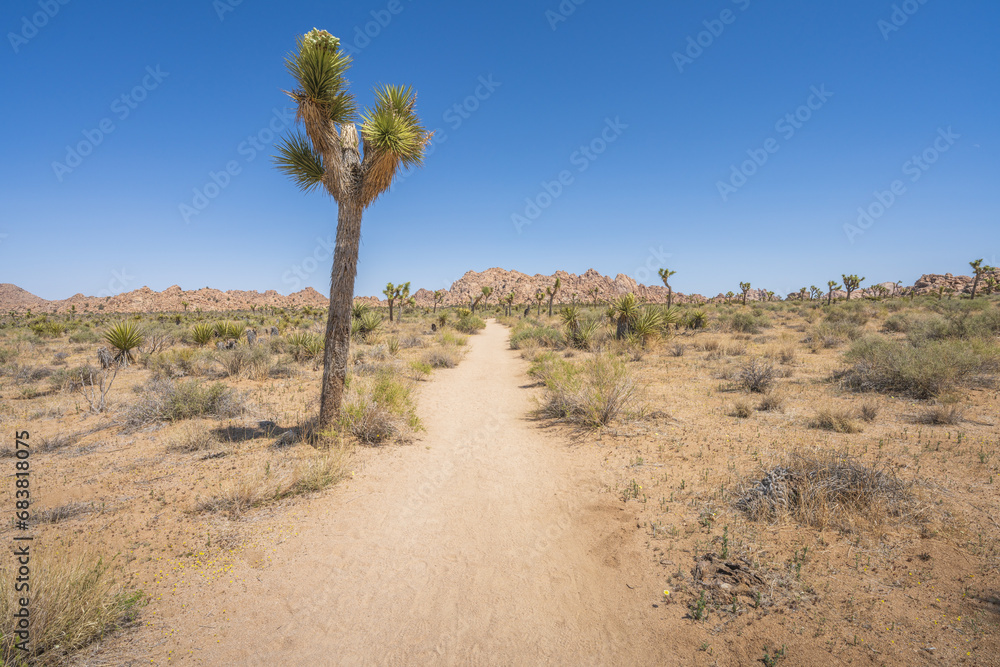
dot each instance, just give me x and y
(786, 482)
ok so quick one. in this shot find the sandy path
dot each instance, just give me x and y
(486, 542)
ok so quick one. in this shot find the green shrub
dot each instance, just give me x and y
(202, 333)
(470, 324)
(542, 335)
(166, 400)
(925, 371)
(305, 346)
(744, 322)
(593, 393)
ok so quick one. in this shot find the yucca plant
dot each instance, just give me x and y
(697, 319)
(571, 317)
(304, 346)
(582, 337)
(647, 325)
(202, 333)
(124, 337)
(671, 317)
(354, 168)
(358, 310)
(229, 330)
(622, 312)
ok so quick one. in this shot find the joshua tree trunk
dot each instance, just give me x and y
(829, 297)
(336, 350)
(670, 296)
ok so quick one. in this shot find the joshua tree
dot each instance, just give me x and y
(746, 288)
(551, 291)
(896, 286)
(391, 293)
(487, 291)
(438, 298)
(539, 297)
(832, 285)
(354, 169)
(851, 283)
(978, 270)
(814, 292)
(624, 311)
(729, 296)
(403, 292)
(665, 277)
(573, 295)
(185, 304)
(593, 291)
(508, 303)
(989, 285)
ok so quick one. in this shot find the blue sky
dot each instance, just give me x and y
(729, 140)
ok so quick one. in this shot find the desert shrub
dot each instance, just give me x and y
(174, 363)
(772, 402)
(541, 335)
(84, 336)
(592, 393)
(305, 346)
(855, 313)
(897, 367)
(826, 334)
(46, 328)
(448, 338)
(756, 376)
(366, 325)
(443, 357)
(470, 324)
(68, 379)
(941, 415)
(420, 369)
(380, 412)
(829, 489)
(192, 439)
(75, 600)
(897, 323)
(868, 411)
(245, 362)
(677, 350)
(124, 337)
(229, 330)
(745, 322)
(584, 335)
(838, 421)
(742, 408)
(166, 400)
(392, 345)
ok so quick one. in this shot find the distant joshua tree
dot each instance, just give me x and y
(487, 291)
(438, 298)
(185, 304)
(814, 292)
(539, 297)
(745, 287)
(851, 283)
(665, 277)
(551, 292)
(593, 292)
(729, 296)
(354, 168)
(509, 302)
(831, 285)
(978, 270)
(989, 285)
(391, 294)
(403, 293)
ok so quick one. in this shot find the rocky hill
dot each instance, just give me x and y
(579, 288)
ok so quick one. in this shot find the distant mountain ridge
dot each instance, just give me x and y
(578, 288)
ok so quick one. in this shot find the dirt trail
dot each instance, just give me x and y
(486, 542)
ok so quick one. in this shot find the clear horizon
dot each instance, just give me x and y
(778, 143)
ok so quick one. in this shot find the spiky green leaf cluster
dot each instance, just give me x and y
(319, 68)
(202, 333)
(392, 125)
(124, 337)
(300, 162)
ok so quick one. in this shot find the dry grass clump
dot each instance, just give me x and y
(868, 411)
(74, 600)
(166, 400)
(592, 393)
(443, 357)
(380, 411)
(193, 439)
(836, 420)
(938, 414)
(756, 376)
(742, 409)
(829, 489)
(772, 401)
